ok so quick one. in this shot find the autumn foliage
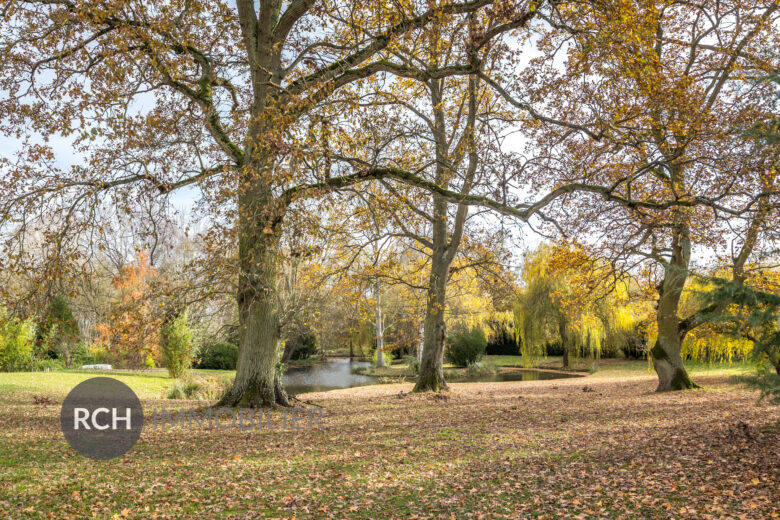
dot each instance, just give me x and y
(132, 327)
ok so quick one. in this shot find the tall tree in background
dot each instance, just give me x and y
(60, 329)
(573, 299)
(442, 128)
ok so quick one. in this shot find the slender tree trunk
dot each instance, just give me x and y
(380, 337)
(280, 396)
(564, 344)
(289, 349)
(444, 244)
(421, 344)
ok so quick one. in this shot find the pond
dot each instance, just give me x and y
(337, 373)
(333, 374)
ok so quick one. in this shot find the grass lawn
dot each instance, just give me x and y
(622, 367)
(604, 368)
(536, 449)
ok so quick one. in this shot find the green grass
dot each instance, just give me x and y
(625, 367)
(152, 384)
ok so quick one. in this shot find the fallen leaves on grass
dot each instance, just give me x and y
(504, 450)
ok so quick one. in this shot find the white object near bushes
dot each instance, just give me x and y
(96, 367)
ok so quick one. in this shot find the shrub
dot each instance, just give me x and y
(60, 332)
(176, 345)
(387, 357)
(183, 390)
(413, 364)
(46, 364)
(466, 347)
(502, 343)
(303, 344)
(16, 342)
(481, 369)
(554, 349)
(634, 348)
(94, 354)
(219, 355)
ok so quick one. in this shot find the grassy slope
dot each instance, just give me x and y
(508, 450)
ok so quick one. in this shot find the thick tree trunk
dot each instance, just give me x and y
(667, 360)
(668, 364)
(254, 385)
(431, 377)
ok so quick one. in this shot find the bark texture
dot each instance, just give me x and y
(444, 243)
(667, 360)
(431, 377)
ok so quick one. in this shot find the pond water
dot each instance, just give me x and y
(337, 373)
(333, 374)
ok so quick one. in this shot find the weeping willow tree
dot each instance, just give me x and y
(564, 301)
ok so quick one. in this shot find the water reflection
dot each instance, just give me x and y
(332, 374)
(337, 373)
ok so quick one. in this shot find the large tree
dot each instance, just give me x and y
(448, 130)
(159, 96)
(647, 134)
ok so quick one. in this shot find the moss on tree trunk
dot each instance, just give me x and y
(669, 367)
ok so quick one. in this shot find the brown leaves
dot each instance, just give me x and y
(556, 453)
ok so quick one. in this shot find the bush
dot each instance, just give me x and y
(303, 344)
(176, 345)
(46, 364)
(219, 355)
(481, 369)
(387, 357)
(413, 364)
(183, 390)
(16, 342)
(502, 343)
(554, 349)
(94, 354)
(466, 348)
(60, 332)
(634, 348)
